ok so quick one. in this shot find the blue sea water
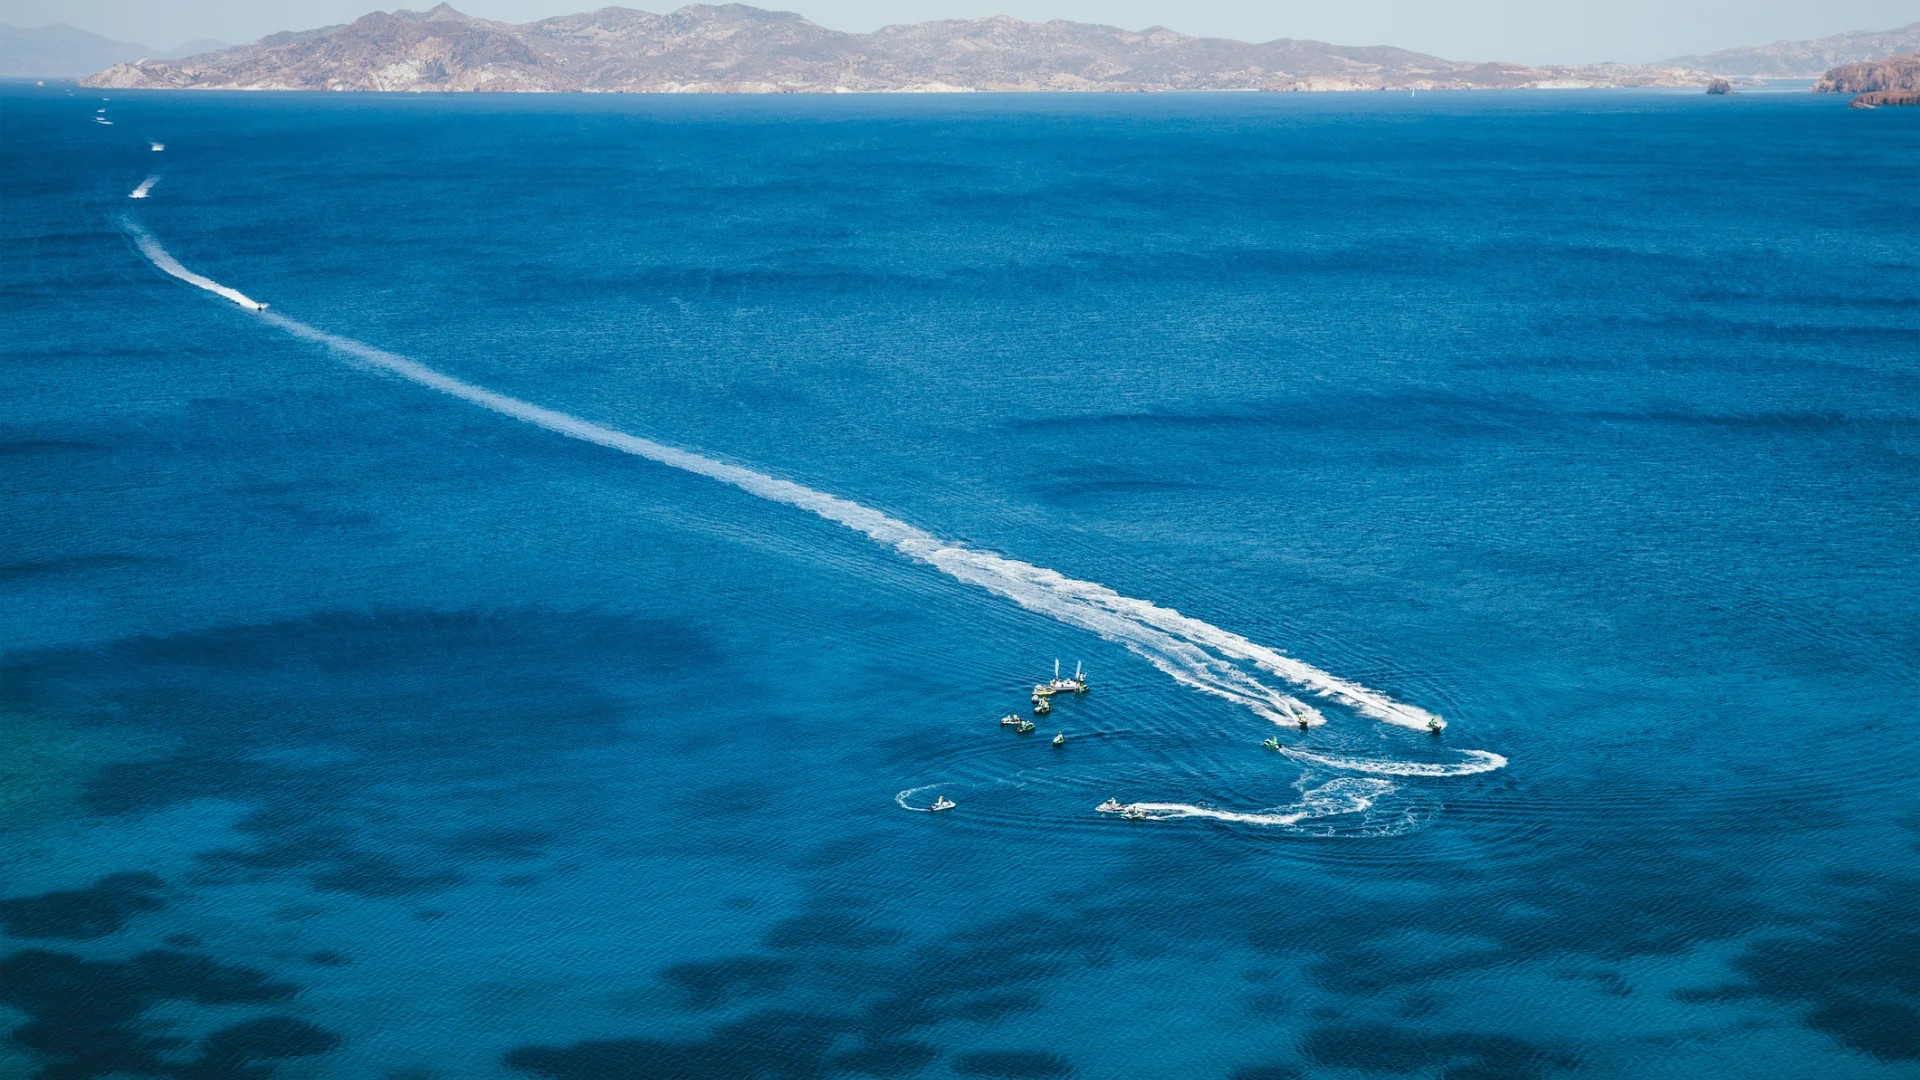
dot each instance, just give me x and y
(353, 730)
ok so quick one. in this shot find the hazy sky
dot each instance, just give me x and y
(1538, 31)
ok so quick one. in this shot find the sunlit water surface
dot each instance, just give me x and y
(582, 725)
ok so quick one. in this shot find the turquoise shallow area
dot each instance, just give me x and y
(353, 731)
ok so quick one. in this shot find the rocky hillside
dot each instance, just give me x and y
(1892, 81)
(1804, 59)
(739, 49)
(1893, 73)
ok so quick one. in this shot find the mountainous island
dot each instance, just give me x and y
(1803, 59)
(61, 51)
(1892, 81)
(734, 48)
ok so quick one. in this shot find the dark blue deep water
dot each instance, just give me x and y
(350, 730)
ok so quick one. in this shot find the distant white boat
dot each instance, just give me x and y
(157, 147)
(942, 803)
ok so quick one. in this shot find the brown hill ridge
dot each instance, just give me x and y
(738, 49)
(1892, 81)
(1799, 59)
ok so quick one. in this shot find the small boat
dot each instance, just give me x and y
(1041, 706)
(1024, 727)
(1011, 720)
(1272, 744)
(157, 146)
(1077, 684)
(1134, 813)
(1060, 738)
(1111, 806)
(1041, 690)
(941, 803)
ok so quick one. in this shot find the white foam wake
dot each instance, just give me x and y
(910, 793)
(145, 186)
(158, 256)
(1347, 795)
(1195, 653)
(1478, 761)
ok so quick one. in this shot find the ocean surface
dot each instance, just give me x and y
(529, 646)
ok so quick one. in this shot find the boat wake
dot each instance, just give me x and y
(145, 186)
(1346, 795)
(1194, 653)
(910, 793)
(1478, 761)
(159, 257)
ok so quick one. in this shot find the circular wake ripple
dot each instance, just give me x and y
(1064, 796)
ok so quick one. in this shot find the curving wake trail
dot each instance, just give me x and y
(1195, 653)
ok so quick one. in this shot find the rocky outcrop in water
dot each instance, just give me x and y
(1885, 97)
(1892, 73)
(1892, 81)
(738, 49)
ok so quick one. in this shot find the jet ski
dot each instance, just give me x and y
(1023, 727)
(1011, 720)
(1271, 744)
(1111, 806)
(1060, 738)
(1436, 725)
(1041, 706)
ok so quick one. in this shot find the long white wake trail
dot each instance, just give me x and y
(1195, 653)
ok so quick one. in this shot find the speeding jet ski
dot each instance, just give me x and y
(1303, 722)
(942, 803)
(1436, 725)
(1271, 744)
(1060, 738)
(1134, 813)
(1111, 806)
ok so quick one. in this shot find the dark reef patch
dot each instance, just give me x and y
(70, 564)
(83, 1016)
(83, 914)
(1013, 1064)
(1266, 1072)
(827, 930)
(709, 983)
(232, 1051)
(789, 1046)
(1379, 1048)
(300, 719)
(1857, 973)
(886, 1058)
